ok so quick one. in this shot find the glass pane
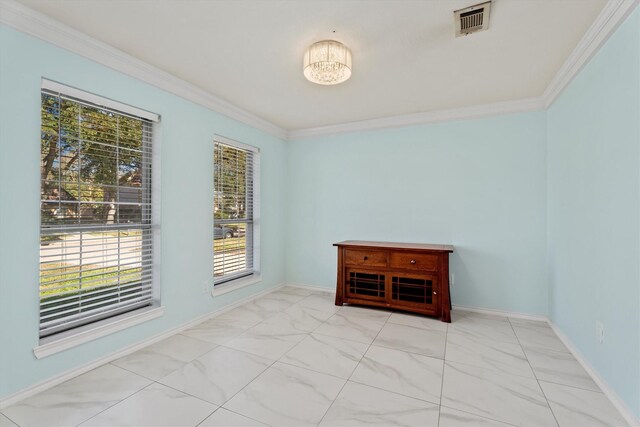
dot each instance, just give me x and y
(130, 132)
(69, 119)
(230, 249)
(129, 213)
(231, 181)
(74, 265)
(98, 164)
(97, 125)
(129, 167)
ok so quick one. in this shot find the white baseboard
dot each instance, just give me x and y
(617, 402)
(502, 313)
(72, 373)
(311, 287)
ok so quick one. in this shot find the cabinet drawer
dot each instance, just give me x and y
(414, 261)
(366, 258)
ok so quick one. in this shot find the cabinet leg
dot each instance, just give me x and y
(338, 299)
(446, 314)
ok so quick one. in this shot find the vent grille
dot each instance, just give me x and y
(472, 19)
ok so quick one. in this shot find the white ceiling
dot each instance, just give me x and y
(405, 56)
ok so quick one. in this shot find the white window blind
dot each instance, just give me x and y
(96, 247)
(234, 209)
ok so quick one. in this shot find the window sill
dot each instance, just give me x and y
(235, 285)
(66, 340)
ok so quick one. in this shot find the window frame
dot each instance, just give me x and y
(60, 340)
(236, 282)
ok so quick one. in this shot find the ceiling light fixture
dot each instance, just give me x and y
(327, 63)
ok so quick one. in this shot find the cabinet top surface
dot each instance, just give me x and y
(394, 245)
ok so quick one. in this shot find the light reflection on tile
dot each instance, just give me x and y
(286, 395)
(559, 367)
(538, 336)
(577, 407)
(217, 375)
(503, 357)
(486, 380)
(418, 321)
(78, 399)
(267, 341)
(509, 398)
(225, 418)
(6, 422)
(409, 374)
(330, 355)
(164, 357)
(428, 342)
(454, 418)
(155, 406)
(361, 328)
(361, 405)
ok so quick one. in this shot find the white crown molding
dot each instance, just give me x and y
(29, 21)
(606, 23)
(41, 26)
(465, 113)
(609, 19)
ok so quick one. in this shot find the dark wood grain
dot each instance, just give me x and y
(416, 276)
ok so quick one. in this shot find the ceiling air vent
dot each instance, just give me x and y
(472, 19)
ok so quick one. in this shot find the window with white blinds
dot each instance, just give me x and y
(96, 243)
(234, 210)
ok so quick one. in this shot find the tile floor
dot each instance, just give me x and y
(292, 358)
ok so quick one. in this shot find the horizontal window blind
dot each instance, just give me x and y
(96, 248)
(233, 212)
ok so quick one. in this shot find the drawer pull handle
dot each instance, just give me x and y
(366, 258)
(413, 261)
(435, 293)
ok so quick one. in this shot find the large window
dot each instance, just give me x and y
(235, 234)
(96, 243)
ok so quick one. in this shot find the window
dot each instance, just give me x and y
(235, 210)
(96, 226)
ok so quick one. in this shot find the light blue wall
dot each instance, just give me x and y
(187, 195)
(594, 210)
(477, 184)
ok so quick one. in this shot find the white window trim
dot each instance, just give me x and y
(256, 277)
(74, 337)
(234, 285)
(98, 100)
(83, 334)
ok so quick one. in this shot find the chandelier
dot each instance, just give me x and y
(327, 63)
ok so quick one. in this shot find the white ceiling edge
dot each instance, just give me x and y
(29, 21)
(606, 23)
(474, 112)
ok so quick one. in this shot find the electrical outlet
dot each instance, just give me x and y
(451, 279)
(599, 331)
(205, 286)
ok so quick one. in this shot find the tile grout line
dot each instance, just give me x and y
(444, 363)
(153, 381)
(354, 369)
(481, 416)
(261, 373)
(534, 372)
(9, 418)
(117, 403)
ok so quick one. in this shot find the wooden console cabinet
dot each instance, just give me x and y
(404, 276)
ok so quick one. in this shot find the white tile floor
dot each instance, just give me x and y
(292, 358)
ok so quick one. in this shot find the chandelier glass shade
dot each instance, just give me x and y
(327, 63)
